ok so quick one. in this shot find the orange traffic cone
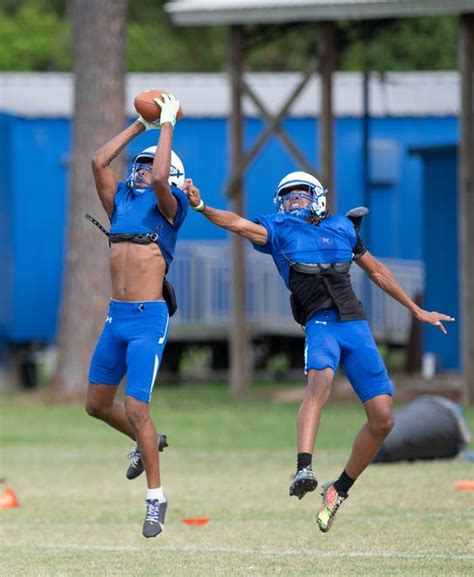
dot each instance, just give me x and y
(464, 485)
(8, 499)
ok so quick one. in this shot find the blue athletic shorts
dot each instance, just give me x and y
(132, 342)
(330, 341)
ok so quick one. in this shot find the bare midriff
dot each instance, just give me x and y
(137, 271)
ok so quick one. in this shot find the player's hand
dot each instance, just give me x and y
(434, 318)
(149, 125)
(169, 109)
(192, 192)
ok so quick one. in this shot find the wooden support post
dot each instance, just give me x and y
(274, 126)
(239, 346)
(366, 150)
(466, 200)
(326, 139)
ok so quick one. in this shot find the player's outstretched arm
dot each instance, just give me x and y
(104, 176)
(161, 163)
(382, 276)
(231, 221)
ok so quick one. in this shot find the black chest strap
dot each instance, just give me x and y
(145, 238)
(169, 294)
(97, 223)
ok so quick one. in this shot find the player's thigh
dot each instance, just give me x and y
(144, 354)
(322, 350)
(363, 363)
(143, 362)
(108, 362)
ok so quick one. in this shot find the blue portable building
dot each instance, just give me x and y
(439, 201)
(33, 208)
(407, 111)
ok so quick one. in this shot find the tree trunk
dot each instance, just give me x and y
(99, 113)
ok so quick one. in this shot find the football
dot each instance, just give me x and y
(148, 108)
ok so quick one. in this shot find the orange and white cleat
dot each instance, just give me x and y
(332, 500)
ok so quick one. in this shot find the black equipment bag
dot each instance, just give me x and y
(429, 427)
(170, 297)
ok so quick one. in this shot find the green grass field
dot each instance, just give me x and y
(230, 461)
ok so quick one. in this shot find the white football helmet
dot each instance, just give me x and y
(312, 189)
(176, 177)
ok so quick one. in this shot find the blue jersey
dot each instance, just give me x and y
(139, 214)
(293, 240)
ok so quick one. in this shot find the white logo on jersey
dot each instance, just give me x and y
(325, 240)
(108, 320)
(320, 323)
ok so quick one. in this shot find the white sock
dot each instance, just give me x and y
(156, 494)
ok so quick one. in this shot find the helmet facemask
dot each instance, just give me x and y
(144, 160)
(141, 168)
(297, 185)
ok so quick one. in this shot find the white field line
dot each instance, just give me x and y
(265, 553)
(374, 517)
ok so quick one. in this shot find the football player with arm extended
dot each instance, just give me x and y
(313, 252)
(145, 212)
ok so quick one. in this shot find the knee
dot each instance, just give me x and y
(136, 411)
(382, 425)
(319, 385)
(95, 409)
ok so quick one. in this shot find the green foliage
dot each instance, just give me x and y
(158, 47)
(411, 44)
(12, 7)
(281, 47)
(196, 361)
(36, 35)
(33, 38)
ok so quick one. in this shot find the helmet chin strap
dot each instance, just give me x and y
(299, 212)
(138, 190)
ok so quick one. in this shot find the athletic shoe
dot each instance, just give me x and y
(332, 500)
(303, 482)
(154, 518)
(136, 467)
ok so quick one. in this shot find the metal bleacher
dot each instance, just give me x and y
(201, 275)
